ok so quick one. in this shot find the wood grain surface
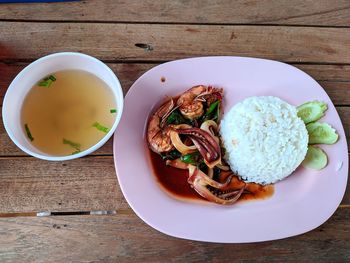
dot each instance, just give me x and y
(279, 12)
(35, 185)
(125, 238)
(167, 42)
(84, 184)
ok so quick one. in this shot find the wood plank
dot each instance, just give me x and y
(8, 148)
(339, 92)
(344, 113)
(335, 79)
(125, 238)
(85, 184)
(31, 185)
(298, 12)
(167, 42)
(334, 73)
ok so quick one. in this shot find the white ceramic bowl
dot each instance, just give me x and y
(20, 86)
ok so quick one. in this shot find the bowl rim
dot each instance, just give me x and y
(117, 91)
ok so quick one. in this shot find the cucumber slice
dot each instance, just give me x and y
(315, 158)
(321, 132)
(311, 111)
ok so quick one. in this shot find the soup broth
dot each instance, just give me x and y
(68, 112)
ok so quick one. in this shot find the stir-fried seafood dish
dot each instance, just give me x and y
(184, 131)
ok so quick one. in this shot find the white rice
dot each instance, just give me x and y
(265, 140)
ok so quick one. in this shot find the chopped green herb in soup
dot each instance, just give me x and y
(68, 112)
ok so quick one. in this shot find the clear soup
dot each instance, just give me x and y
(68, 112)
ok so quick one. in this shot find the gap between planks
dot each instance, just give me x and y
(87, 213)
(165, 23)
(131, 61)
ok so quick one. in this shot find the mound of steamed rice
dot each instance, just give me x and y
(265, 140)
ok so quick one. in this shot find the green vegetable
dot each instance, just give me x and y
(113, 110)
(315, 158)
(312, 111)
(172, 155)
(217, 113)
(212, 107)
(212, 112)
(190, 158)
(46, 82)
(29, 135)
(100, 127)
(73, 144)
(176, 118)
(52, 77)
(75, 152)
(321, 132)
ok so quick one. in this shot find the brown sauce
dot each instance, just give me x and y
(174, 181)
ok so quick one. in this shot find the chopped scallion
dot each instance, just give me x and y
(212, 112)
(100, 127)
(113, 110)
(191, 158)
(73, 144)
(29, 135)
(77, 151)
(47, 81)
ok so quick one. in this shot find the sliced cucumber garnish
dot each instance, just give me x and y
(321, 132)
(311, 111)
(315, 158)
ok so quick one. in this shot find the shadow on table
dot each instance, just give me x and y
(6, 53)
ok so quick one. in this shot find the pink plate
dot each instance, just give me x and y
(302, 202)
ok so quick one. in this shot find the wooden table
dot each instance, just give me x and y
(90, 219)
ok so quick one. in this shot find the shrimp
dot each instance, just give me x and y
(158, 136)
(190, 102)
(188, 105)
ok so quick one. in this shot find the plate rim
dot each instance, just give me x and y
(165, 231)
